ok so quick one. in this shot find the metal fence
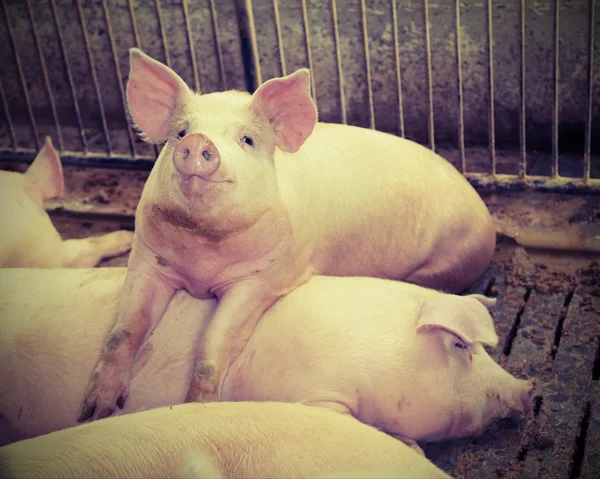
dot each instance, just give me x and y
(506, 90)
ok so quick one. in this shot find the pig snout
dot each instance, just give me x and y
(518, 400)
(196, 155)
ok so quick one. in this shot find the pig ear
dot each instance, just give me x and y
(489, 303)
(154, 94)
(45, 173)
(462, 316)
(287, 104)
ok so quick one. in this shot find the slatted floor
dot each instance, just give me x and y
(548, 321)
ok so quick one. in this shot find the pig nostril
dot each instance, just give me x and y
(206, 155)
(186, 153)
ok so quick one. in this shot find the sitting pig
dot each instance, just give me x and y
(243, 440)
(400, 357)
(27, 236)
(250, 196)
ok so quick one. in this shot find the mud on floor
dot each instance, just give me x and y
(547, 317)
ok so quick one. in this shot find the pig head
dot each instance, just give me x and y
(27, 236)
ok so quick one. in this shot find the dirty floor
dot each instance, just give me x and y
(548, 320)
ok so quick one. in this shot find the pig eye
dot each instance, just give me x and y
(249, 141)
(181, 134)
(460, 345)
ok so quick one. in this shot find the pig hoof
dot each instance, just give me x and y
(103, 398)
(204, 382)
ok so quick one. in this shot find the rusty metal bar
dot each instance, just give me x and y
(163, 34)
(21, 74)
(119, 75)
(588, 119)
(398, 72)
(363, 11)
(86, 41)
(461, 109)
(308, 51)
(63, 52)
(213, 14)
(429, 75)
(491, 120)
(51, 99)
(523, 108)
(279, 39)
(338, 55)
(556, 91)
(186, 16)
(7, 116)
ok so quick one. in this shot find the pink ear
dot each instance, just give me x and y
(154, 94)
(45, 173)
(287, 104)
(462, 316)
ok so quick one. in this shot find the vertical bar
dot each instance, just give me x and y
(588, 119)
(398, 72)
(21, 75)
(253, 43)
(191, 44)
(9, 122)
(51, 99)
(363, 11)
(309, 51)
(163, 35)
(63, 52)
(556, 93)
(138, 44)
(279, 39)
(119, 76)
(491, 116)
(338, 55)
(461, 113)
(213, 14)
(429, 75)
(522, 116)
(86, 41)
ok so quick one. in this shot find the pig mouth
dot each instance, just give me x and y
(196, 186)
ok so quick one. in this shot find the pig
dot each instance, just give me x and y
(28, 238)
(243, 440)
(250, 196)
(402, 358)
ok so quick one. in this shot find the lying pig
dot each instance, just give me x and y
(397, 356)
(250, 196)
(245, 440)
(27, 236)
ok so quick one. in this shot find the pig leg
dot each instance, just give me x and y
(144, 300)
(88, 252)
(239, 310)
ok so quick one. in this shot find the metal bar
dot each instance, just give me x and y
(556, 91)
(96, 159)
(21, 75)
(461, 112)
(309, 51)
(398, 72)
(163, 34)
(279, 39)
(136, 33)
(429, 75)
(522, 115)
(86, 41)
(191, 44)
(213, 14)
(491, 120)
(63, 52)
(501, 182)
(588, 119)
(253, 44)
(9, 122)
(338, 54)
(119, 76)
(363, 11)
(51, 99)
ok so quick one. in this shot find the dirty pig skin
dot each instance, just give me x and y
(251, 196)
(28, 239)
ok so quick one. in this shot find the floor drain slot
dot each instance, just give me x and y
(577, 461)
(513, 331)
(559, 326)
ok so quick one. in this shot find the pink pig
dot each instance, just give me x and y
(28, 239)
(251, 196)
